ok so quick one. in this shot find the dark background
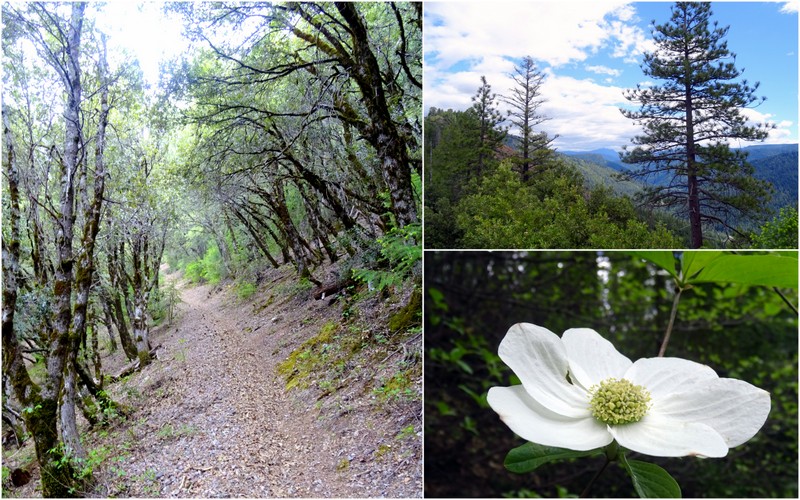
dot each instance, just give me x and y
(471, 300)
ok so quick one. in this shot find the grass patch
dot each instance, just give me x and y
(400, 387)
(245, 290)
(169, 431)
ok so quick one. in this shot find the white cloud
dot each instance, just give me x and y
(467, 40)
(603, 70)
(791, 7)
(781, 134)
(552, 32)
(585, 114)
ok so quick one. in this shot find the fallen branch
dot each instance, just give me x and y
(331, 288)
(134, 367)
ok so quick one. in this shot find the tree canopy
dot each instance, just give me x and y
(288, 135)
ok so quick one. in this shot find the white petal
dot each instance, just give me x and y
(733, 408)
(664, 377)
(663, 437)
(592, 358)
(533, 422)
(539, 359)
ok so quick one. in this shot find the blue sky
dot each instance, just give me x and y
(591, 51)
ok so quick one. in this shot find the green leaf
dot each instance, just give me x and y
(651, 481)
(693, 262)
(663, 259)
(758, 269)
(529, 456)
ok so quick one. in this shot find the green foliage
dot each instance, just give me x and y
(6, 480)
(402, 250)
(692, 267)
(245, 290)
(397, 388)
(530, 456)
(194, 271)
(551, 211)
(208, 269)
(650, 480)
(780, 232)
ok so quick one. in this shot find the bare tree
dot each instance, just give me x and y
(525, 100)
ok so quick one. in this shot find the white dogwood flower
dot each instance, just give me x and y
(578, 392)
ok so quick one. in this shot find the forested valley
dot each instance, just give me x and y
(211, 285)
(494, 180)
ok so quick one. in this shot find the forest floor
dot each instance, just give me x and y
(258, 398)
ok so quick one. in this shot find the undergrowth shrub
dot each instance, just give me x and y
(401, 249)
(208, 269)
(245, 290)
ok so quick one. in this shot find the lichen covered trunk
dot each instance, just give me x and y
(390, 145)
(140, 328)
(69, 427)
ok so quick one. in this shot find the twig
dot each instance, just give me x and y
(672, 315)
(785, 300)
(585, 492)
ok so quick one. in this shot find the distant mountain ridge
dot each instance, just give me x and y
(776, 163)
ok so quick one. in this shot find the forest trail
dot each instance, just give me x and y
(215, 419)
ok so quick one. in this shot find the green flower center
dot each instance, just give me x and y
(617, 402)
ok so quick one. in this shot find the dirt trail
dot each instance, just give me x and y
(214, 418)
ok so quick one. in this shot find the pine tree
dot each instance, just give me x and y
(525, 100)
(688, 121)
(490, 133)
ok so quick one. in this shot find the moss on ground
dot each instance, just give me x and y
(409, 316)
(308, 358)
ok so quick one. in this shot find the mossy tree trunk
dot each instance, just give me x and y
(118, 285)
(354, 52)
(42, 402)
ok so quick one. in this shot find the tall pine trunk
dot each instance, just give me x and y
(693, 194)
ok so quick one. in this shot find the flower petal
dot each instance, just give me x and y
(592, 358)
(733, 408)
(664, 437)
(533, 422)
(539, 359)
(664, 377)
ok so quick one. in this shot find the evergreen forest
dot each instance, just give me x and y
(211, 280)
(495, 180)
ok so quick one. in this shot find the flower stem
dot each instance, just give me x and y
(612, 453)
(585, 492)
(672, 315)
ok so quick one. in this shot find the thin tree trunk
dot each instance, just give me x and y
(105, 303)
(256, 237)
(118, 285)
(295, 240)
(140, 328)
(69, 427)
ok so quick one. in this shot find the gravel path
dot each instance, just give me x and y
(214, 419)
